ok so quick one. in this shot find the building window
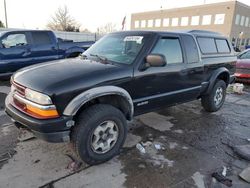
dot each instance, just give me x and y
(233, 41)
(175, 22)
(158, 23)
(247, 22)
(195, 20)
(242, 42)
(150, 23)
(143, 23)
(165, 22)
(237, 19)
(137, 23)
(184, 21)
(237, 42)
(247, 42)
(219, 19)
(242, 20)
(206, 20)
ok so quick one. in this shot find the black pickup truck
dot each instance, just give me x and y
(88, 100)
(22, 48)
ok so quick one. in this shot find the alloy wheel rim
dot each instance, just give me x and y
(104, 137)
(218, 96)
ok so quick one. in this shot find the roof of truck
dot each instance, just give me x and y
(189, 32)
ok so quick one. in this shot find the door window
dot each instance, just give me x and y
(170, 48)
(191, 49)
(41, 38)
(14, 40)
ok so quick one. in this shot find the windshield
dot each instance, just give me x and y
(118, 48)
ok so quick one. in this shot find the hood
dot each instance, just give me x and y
(53, 76)
(243, 63)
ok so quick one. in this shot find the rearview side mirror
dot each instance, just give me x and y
(155, 60)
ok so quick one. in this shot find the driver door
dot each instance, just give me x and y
(157, 87)
(14, 52)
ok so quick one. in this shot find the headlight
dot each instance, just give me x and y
(37, 97)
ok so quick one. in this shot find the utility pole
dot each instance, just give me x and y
(5, 10)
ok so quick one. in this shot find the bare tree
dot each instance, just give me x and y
(107, 28)
(1, 24)
(62, 21)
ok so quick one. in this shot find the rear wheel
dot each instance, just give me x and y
(215, 99)
(99, 133)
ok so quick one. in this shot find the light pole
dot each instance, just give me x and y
(5, 10)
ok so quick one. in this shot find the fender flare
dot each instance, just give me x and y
(81, 99)
(215, 76)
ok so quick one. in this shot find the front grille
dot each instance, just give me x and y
(243, 71)
(18, 89)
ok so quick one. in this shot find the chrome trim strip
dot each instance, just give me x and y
(25, 101)
(165, 94)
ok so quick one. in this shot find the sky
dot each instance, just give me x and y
(91, 14)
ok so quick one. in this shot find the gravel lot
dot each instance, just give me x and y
(192, 144)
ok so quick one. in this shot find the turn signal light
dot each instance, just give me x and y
(40, 113)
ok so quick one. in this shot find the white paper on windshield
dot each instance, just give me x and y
(137, 39)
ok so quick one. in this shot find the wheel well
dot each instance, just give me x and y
(117, 101)
(74, 54)
(224, 76)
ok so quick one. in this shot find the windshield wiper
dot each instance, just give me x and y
(102, 58)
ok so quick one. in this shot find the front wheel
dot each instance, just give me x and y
(99, 133)
(215, 99)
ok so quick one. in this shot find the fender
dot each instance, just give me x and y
(76, 103)
(215, 76)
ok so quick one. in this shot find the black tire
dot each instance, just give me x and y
(86, 124)
(208, 101)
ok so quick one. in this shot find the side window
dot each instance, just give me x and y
(14, 40)
(222, 46)
(170, 48)
(207, 45)
(41, 38)
(191, 49)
